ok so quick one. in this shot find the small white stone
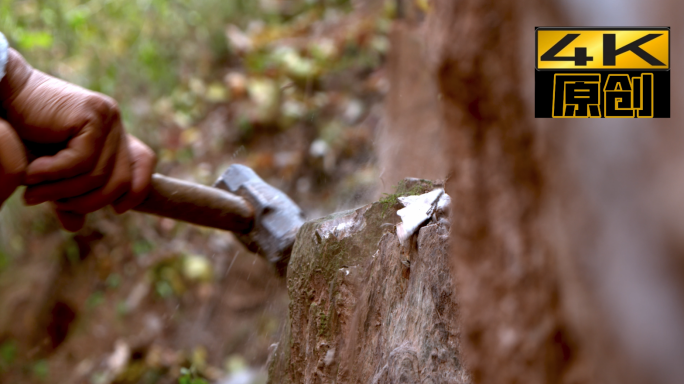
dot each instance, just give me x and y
(118, 360)
(318, 148)
(329, 357)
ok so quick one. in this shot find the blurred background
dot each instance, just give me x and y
(334, 102)
(293, 89)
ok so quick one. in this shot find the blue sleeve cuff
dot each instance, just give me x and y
(3, 54)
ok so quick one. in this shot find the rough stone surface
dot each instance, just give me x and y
(365, 309)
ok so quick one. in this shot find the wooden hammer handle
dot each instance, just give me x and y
(198, 204)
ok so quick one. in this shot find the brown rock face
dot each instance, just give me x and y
(365, 309)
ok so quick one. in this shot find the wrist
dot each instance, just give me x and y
(17, 73)
(4, 47)
(4, 52)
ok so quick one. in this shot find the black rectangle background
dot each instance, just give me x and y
(543, 95)
(536, 43)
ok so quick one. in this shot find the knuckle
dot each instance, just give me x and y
(144, 153)
(104, 107)
(151, 155)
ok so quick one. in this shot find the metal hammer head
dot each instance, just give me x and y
(276, 217)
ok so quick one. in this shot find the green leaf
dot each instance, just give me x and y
(8, 352)
(95, 300)
(113, 281)
(73, 254)
(40, 369)
(77, 17)
(31, 40)
(4, 260)
(164, 289)
(142, 248)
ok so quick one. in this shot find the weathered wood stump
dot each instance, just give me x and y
(364, 308)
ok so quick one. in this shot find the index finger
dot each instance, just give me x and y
(78, 158)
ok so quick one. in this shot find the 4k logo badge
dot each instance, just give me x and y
(602, 72)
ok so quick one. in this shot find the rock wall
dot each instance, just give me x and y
(364, 308)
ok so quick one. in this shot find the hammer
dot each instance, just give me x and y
(264, 219)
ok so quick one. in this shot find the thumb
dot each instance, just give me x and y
(12, 161)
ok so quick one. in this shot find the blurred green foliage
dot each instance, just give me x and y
(126, 49)
(4, 260)
(40, 370)
(189, 376)
(201, 81)
(8, 352)
(161, 53)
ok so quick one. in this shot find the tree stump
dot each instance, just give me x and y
(365, 308)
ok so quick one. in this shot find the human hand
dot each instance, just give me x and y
(81, 157)
(143, 161)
